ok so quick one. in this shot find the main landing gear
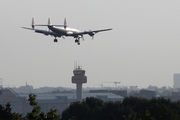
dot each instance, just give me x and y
(55, 40)
(77, 41)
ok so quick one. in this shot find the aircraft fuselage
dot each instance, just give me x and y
(63, 31)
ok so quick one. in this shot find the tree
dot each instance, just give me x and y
(6, 113)
(163, 109)
(36, 113)
(131, 108)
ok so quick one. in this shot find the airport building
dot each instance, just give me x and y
(176, 78)
(60, 101)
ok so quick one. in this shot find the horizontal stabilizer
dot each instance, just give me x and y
(28, 28)
(49, 23)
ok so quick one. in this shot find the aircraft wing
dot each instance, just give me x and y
(96, 31)
(45, 32)
(91, 33)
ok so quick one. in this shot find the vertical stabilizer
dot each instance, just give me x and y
(49, 21)
(32, 24)
(65, 23)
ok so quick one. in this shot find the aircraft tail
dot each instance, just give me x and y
(32, 24)
(48, 24)
(65, 23)
(49, 21)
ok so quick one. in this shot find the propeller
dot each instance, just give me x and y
(92, 34)
(93, 37)
(63, 37)
(82, 37)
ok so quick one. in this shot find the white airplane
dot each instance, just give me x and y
(63, 31)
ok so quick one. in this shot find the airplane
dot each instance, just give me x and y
(63, 31)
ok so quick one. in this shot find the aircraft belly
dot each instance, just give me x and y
(58, 31)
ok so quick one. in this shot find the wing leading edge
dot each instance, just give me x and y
(45, 32)
(91, 33)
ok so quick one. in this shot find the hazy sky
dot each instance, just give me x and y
(142, 49)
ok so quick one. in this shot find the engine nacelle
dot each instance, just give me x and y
(92, 34)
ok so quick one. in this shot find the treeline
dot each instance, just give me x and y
(35, 114)
(131, 108)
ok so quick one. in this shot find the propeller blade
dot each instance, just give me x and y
(63, 37)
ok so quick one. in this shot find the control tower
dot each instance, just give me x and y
(79, 78)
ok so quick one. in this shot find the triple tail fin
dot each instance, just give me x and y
(32, 24)
(65, 23)
(49, 21)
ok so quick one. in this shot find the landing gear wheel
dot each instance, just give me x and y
(76, 41)
(55, 40)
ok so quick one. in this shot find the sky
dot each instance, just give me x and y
(141, 50)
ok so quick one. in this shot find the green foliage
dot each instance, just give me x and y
(52, 115)
(36, 113)
(6, 113)
(93, 102)
(131, 108)
(163, 109)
